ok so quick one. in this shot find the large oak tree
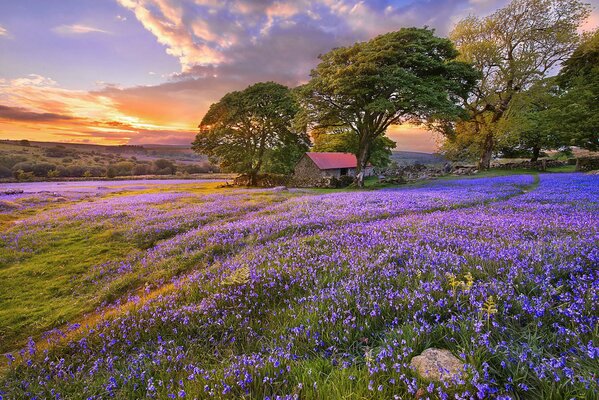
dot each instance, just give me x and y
(406, 76)
(251, 132)
(512, 49)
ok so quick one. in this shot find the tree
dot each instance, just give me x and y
(576, 110)
(528, 125)
(405, 76)
(250, 131)
(512, 49)
(346, 141)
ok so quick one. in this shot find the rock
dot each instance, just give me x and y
(437, 364)
(280, 189)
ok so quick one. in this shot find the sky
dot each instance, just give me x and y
(146, 71)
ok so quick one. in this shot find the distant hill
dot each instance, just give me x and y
(71, 160)
(415, 157)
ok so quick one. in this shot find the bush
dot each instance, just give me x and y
(10, 161)
(23, 176)
(165, 167)
(200, 168)
(75, 171)
(123, 168)
(142, 169)
(58, 152)
(5, 172)
(37, 169)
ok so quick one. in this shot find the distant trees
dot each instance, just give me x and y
(251, 131)
(408, 75)
(164, 167)
(512, 49)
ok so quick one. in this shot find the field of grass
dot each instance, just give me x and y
(190, 291)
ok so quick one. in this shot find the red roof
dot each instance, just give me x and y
(333, 160)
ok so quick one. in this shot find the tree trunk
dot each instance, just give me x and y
(487, 153)
(536, 150)
(362, 162)
(253, 175)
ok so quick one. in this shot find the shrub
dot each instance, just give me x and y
(75, 171)
(123, 168)
(24, 176)
(10, 160)
(164, 167)
(5, 172)
(199, 168)
(37, 169)
(142, 169)
(58, 152)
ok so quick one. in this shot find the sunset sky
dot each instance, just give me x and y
(145, 71)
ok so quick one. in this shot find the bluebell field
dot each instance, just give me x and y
(304, 295)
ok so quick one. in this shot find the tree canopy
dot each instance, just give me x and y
(250, 131)
(512, 49)
(576, 111)
(408, 75)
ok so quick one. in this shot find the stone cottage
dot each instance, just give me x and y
(313, 168)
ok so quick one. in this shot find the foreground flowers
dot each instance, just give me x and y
(308, 296)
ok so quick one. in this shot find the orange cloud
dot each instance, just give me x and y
(34, 107)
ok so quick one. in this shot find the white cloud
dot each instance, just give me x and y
(33, 80)
(3, 31)
(77, 29)
(121, 18)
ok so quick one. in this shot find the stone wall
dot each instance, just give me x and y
(396, 174)
(306, 173)
(540, 165)
(263, 180)
(585, 164)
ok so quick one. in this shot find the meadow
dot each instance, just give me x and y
(191, 291)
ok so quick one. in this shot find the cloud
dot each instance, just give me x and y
(77, 29)
(37, 107)
(223, 45)
(22, 114)
(3, 31)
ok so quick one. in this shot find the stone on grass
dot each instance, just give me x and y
(437, 364)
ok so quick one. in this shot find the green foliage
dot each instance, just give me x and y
(405, 76)
(165, 167)
(250, 131)
(576, 110)
(39, 169)
(512, 49)
(528, 125)
(346, 141)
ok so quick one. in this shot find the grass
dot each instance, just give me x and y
(46, 289)
(55, 282)
(50, 287)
